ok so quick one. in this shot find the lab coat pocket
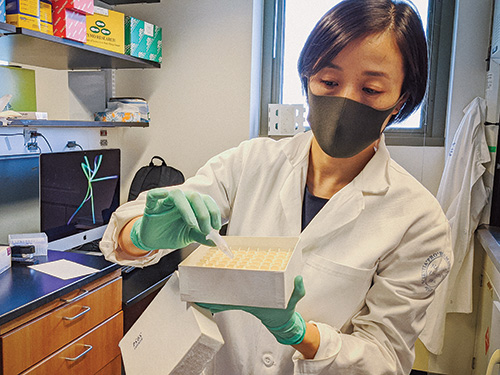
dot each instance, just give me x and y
(334, 292)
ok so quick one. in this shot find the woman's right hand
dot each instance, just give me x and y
(173, 219)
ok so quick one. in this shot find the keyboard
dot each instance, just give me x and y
(91, 248)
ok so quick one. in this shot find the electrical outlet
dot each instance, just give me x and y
(104, 142)
(32, 146)
(71, 144)
(29, 133)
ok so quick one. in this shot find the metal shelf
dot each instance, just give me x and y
(76, 124)
(24, 46)
(119, 2)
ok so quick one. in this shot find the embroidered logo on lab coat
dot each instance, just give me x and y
(434, 270)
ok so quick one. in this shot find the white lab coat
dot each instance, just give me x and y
(463, 196)
(372, 258)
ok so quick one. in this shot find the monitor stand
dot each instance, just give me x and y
(78, 239)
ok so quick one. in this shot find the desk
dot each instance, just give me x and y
(62, 326)
(23, 289)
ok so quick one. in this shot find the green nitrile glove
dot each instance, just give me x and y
(174, 219)
(286, 325)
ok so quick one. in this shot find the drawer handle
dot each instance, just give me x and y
(85, 292)
(89, 348)
(87, 309)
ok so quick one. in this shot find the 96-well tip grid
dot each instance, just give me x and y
(257, 259)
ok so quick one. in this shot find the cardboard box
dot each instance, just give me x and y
(33, 115)
(143, 39)
(130, 104)
(23, 13)
(2, 10)
(5, 258)
(261, 273)
(79, 6)
(105, 29)
(69, 24)
(46, 17)
(170, 337)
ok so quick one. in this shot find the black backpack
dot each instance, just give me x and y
(152, 176)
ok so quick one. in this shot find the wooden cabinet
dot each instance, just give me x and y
(77, 334)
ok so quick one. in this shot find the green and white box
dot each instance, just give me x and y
(143, 39)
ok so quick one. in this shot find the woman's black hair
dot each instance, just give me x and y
(353, 19)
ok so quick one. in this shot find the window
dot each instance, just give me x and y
(287, 24)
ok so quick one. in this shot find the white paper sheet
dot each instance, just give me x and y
(64, 269)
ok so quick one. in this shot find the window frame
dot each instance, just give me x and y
(433, 115)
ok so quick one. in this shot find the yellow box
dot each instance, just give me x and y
(106, 30)
(23, 13)
(46, 17)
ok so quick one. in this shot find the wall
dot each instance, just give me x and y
(54, 98)
(199, 99)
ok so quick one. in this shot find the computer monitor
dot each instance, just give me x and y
(79, 190)
(19, 195)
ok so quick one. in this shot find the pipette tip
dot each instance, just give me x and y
(221, 244)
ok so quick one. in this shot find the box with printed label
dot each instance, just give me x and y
(5, 258)
(2, 10)
(261, 273)
(23, 13)
(69, 24)
(46, 17)
(117, 116)
(39, 240)
(143, 39)
(105, 29)
(80, 6)
(33, 115)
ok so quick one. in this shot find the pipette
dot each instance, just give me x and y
(219, 241)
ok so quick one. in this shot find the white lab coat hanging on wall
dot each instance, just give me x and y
(463, 196)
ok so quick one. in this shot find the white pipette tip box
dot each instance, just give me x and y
(170, 337)
(261, 273)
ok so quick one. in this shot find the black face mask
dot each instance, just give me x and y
(344, 127)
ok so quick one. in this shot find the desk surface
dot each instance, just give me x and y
(489, 238)
(141, 282)
(23, 289)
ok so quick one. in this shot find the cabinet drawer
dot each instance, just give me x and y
(86, 355)
(35, 340)
(112, 368)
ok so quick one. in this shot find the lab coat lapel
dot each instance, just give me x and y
(291, 199)
(292, 190)
(344, 207)
(347, 204)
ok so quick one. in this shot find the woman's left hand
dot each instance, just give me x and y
(286, 325)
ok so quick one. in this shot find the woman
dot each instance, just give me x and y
(375, 243)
